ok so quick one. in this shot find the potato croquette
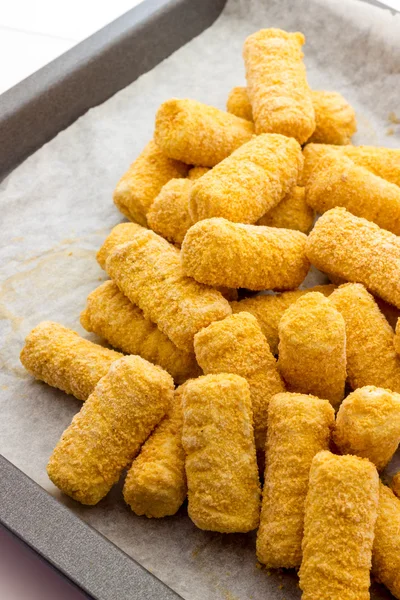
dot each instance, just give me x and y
(221, 467)
(395, 484)
(371, 358)
(198, 134)
(312, 348)
(217, 252)
(268, 309)
(356, 250)
(396, 339)
(237, 345)
(368, 425)
(249, 182)
(383, 162)
(107, 433)
(156, 482)
(277, 85)
(197, 172)
(337, 181)
(61, 358)
(292, 212)
(111, 315)
(335, 119)
(120, 234)
(299, 426)
(340, 515)
(386, 549)
(144, 179)
(148, 271)
(169, 214)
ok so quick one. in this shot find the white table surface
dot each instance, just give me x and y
(32, 33)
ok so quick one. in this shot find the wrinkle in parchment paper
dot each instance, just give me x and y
(56, 209)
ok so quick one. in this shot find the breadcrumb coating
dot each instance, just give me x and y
(335, 119)
(356, 250)
(107, 433)
(292, 212)
(155, 485)
(138, 187)
(383, 162)
(395, 484)
(396, 339)
(61, 358)
(338, 181)
(218, 252)
(237, 345)
(371, 358)
(368, 425)
(120, 234)
(111, 315)
(268, 310)
(148, 271)
(197, 172)
(251, 181)
(340, 515)
(312, 348)
(277, 84)
(386, 549)
(198, 134)
(299, 426)
(169, 214)
(221, 466)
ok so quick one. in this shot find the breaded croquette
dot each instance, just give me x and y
(386, 549)
(221, 466)
(368, 425)
(292, 212)
(396, 339)
(277, 84)
(357, 250)
(383, 162)
(198, 134)
(338, 181)
(335, 119)
(148, 271)
(340, 515)
(371, 358)
(237, 345)
(144, 179)
(120, 234)
(269, 308)
(197, 172)
(395, 484)
(249, 182)
(217, 252)
(111, 315)
(61, 358)
(156, 482)
(169, 214)
(107, 433)
(312, 348)
(299, 426)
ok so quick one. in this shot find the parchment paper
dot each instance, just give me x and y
(56, 209)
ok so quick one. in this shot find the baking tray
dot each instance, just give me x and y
(32, 113)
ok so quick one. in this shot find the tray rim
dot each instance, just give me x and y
(173, 23)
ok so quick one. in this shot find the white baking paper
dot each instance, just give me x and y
(56, 209)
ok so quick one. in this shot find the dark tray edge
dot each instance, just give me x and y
(35, 110)
(81, 553)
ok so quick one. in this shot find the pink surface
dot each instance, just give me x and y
(25, 576)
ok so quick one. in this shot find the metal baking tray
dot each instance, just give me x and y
(32, 113)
